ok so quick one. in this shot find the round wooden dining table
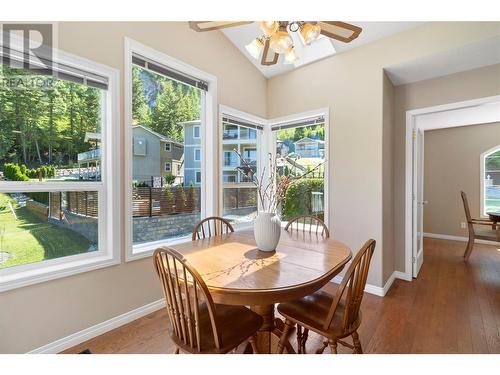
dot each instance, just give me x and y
(238, 273)
(494, 217)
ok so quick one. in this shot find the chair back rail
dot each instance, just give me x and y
(211, 226)
(315, 225)
(185, 294)
(352, 287)
(466, 207)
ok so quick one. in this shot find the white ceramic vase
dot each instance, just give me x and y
(267, 231)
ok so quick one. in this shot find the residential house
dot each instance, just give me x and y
(309, 148)
(156, 155)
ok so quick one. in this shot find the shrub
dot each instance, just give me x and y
(13, 172)
(169, 179)
(299, 195)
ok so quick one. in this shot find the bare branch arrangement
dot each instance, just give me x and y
(272, 192)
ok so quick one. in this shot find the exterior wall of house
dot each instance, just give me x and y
(307, 148)
(147, 165)
(175, 158)
(191, 143)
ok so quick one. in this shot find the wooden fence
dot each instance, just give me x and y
(158, 201)
(146, 202)
(77, 202)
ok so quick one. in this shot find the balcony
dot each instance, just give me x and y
(91, 155)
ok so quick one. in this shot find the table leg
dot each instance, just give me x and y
(270, 332)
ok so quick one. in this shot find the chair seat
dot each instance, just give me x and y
(486, 234)
(235, 325)
(311, 312)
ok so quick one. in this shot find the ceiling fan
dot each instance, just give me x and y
(276, 36)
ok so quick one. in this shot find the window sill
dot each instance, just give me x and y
(147, 249)
(29, 274)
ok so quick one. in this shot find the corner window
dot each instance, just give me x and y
(490, 181)
(58, 167)
(300, 151)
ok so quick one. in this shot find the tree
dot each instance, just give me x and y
(141, 113)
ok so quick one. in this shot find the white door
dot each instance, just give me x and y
(418, 200)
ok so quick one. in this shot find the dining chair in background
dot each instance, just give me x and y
(197, 324)
(482, 234)
(308, 223)
(333, 317)
(211, 226)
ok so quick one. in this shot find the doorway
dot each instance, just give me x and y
(471, 112)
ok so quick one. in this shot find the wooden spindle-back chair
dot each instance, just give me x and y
(211, 226)
(333, 317)
(308, 223)
(194, 317)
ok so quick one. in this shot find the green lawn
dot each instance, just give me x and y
(30, 239)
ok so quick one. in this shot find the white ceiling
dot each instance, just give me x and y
(470, 56)
(321, 48)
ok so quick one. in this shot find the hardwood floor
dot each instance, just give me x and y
(453, 307)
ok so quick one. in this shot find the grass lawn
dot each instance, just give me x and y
(30, 239)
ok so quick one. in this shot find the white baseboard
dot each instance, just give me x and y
(457, 238)
(376, 290)
(98, 329)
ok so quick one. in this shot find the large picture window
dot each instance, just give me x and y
(57, 168)
(490, 181)
(168, 105)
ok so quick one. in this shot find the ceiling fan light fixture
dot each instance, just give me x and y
(291, 56)
(254, 48)
(310, 32)
(269, 27)
(281, 41)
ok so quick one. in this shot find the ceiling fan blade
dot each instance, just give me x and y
(345, 32)
(215, 25)
(265, 58)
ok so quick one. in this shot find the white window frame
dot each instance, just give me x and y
(169, 166)
(196, 174)
(209, 187)
(109, 245)
(194, 131)
(482, 167)
(195, 152)
(168, 146)
(261, 143)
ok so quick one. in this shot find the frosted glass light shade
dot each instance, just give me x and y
(254, 48)
(268, 27)
(281, 42)
(310, 32)
(290, 56)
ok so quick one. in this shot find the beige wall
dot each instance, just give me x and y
(36, 315)
(462, 86)
(350, 84)
(452, 164)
